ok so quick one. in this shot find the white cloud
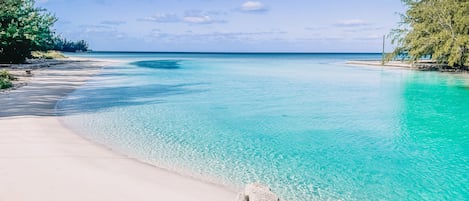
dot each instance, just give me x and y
(162, 18)
(352, 23)
(97, 28)
(113, 22)
(375, 37)
(213, 36)
(198, 19)
(253, 6)
(201, 17)
(191, 17)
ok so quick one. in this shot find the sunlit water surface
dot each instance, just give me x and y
(308, 125)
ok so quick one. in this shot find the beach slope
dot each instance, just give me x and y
(40, 159)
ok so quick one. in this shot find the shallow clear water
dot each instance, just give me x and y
(309, 126)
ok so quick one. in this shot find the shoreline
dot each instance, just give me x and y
(377, 63)
(41, 156)
(423, 66)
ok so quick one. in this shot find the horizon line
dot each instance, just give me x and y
(213, 52)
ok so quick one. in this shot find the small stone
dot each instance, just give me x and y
(257, 192)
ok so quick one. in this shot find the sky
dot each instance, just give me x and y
(227, 25)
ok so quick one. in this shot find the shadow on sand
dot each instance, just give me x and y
(49, 86)
(94, 99)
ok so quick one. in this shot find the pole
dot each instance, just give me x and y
(382, 56)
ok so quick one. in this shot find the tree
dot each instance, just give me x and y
(435, 28)
(64, 45)
(23, 28)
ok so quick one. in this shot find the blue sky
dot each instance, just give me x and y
(227, 25)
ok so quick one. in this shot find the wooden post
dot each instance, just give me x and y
(382, 56)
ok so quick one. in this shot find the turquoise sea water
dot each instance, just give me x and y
(308, 125)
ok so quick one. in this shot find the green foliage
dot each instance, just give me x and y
(23, 28)
(64, 45)
(5, 79)
(435, 28)
(4, 74)
(4, 83)
(51, 54)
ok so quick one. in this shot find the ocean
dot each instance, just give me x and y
(307, 125)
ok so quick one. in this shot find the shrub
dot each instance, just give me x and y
(4, 74)
(5, 83)
(47, 55)
(5, 79)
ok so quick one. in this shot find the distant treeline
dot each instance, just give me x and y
(64, 45)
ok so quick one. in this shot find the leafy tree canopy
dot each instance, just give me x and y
(23, 28)
(436, 28)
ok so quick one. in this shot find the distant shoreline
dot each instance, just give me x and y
(378, 63)
(182, 52)
(419, 66)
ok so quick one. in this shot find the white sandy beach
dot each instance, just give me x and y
(41, 160)
(377, 63)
